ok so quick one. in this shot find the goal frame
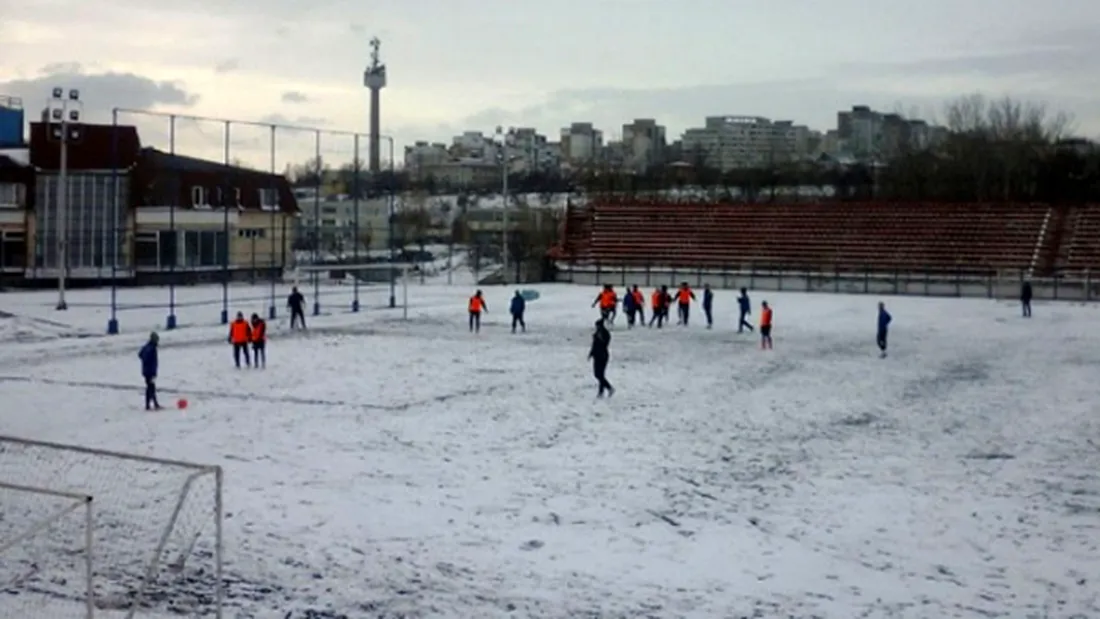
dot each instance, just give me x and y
(78, 501)
(402, 268)
(197, 470)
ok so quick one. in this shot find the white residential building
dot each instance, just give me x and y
(644, 144)
(732, 142)
(339, 227)
(581, 143)
(865, 134)
(425, 154)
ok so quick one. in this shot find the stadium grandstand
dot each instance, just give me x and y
(997, 242)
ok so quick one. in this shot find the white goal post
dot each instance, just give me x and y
(373, 275)
(156, 530)
(33, 519)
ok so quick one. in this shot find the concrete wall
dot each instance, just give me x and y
(1002, 286)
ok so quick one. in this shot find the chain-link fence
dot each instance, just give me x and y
(177, 200)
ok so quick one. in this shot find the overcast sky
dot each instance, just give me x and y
(467, 65)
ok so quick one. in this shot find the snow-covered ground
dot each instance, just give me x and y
(384, 468)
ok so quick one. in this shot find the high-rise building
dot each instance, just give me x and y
(732, 142)
(644, 144)
(581, 143)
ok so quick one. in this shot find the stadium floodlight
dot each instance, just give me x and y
(62, 120)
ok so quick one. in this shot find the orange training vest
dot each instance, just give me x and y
(639, 299)
(766, 318)
(259, 332)
(607, 299)
(684, 296)
(475, 304)
(240, 332)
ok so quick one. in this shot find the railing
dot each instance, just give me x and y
(992, 284)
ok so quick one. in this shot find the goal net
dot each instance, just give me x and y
(154, 539)
(45, 553)
(376, 285)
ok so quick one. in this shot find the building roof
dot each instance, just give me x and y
(101, 147)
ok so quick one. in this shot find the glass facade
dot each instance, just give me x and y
(95, 216)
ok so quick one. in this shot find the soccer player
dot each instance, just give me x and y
(600, 354)
(765, 326)
(884, 319)
(149, 363)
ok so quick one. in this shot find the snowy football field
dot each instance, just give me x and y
(389, 468)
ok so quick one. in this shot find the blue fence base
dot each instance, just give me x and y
(271, 312)
(171, 322)
(112, 326)
(393, 301)
(317, 308)
(225, 317)
(355, 305)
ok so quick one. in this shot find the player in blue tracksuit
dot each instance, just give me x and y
(708, 304)
(630, 308)
(745, 307)
(884, 319)
(519, 305)
(149, 367)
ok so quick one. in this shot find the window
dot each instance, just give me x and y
(251, 233)
(13, 250)
(269, 199)
(204, 249)
(199, 198)
(237, 197)
(168, 240)
(12, 195)
(145, 249)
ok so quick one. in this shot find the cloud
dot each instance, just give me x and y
(100, 92)
(227, 66)
(294, 96)
(301, 122)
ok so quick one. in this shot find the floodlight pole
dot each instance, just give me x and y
(65, 112)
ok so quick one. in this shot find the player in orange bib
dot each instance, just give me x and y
(475, 307)
(765, 326)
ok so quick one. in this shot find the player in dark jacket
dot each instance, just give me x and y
(708, 305)
(1025, 298)
(630, 308)
(149, 367)
(884, 319)
(297, 304)
(519, 305)
(745, 307)
(600, 354)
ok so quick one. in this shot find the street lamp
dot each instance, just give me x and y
(505, 137)
(62, 118)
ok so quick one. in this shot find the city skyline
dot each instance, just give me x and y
(825, 59)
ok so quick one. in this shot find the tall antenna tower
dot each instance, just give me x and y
(374, 78)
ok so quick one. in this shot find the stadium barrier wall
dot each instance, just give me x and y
(871, 281)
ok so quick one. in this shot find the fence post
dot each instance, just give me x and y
(170, 322)
(958, 282)
(225, 241)
(276, 209)
(1088, 285)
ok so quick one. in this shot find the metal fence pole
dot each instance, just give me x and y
(317, 225)
(225, 240)
(355, 236)
(393, 213)
(172, 235)
(112, 323)
(275, 209)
